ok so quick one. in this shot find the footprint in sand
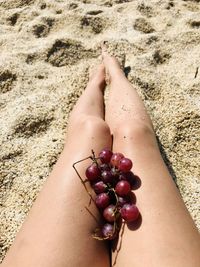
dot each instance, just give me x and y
(170, 4)
(41, 29)
(160, 57)
(31, 58)
(67, 52)
(9, 4)
(13, 19)
(43, 5)
(11, 155)
(72, 6)
(195, 24)
(142, 25)
(94, 24)
(145, 9)
(29, 125)
(149, 89)
(187, 128)
(7, 79)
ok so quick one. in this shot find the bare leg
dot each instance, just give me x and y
(57, 231)
(167, 235)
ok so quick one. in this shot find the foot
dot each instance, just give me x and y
(97, 76)
(111, 64)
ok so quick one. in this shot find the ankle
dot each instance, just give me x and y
(96, 83)
(117, 76)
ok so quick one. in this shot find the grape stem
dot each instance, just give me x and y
(82, 181)
(116, 197)
(115, 210)
(120, 244)
(94, 159)
(98, 237)
(93, 216)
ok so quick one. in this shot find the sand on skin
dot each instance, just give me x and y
(46, 48)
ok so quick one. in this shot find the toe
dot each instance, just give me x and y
(111, 63)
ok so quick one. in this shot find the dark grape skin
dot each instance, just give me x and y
(93, 172)
(122, 188)
(109, 213)
(99, 187)
(105, 167)
(115, 174)
(105, 155)
(108, 231)
(102, 200)
(122, 201)
(129, 212)
(115, 159)
(125, 165)
(107, 176)
(128, 176)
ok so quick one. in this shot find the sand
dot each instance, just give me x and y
(46, 48)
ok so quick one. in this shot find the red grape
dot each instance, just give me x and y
(106, 176)
(122, 188)
(105, 155)
(115, 172)
(104, 167)
(115, 159)
(128, 176)
(93, 172)
(99, 187)
(115, 175)
(122, 201)
(102, 200)
(125, 165)
(111, 179)
(108, 231)
(109, 213)
(129, 212)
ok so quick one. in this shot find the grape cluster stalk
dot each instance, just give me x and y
(112, 180)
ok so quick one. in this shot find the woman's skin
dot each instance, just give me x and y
(57, 231)
(167, 235)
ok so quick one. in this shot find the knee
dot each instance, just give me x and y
(91, 125)
(137, 131)
(95, 126)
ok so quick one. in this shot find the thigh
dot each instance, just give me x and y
(164, 233)
(89, 134)
(58, 230)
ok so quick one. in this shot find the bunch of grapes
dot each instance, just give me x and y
(111, 178)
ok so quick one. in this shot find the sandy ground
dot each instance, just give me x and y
(46, 48)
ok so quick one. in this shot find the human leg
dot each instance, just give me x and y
(57, 231)
(167, 235)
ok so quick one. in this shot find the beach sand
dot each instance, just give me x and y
(46, 49)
